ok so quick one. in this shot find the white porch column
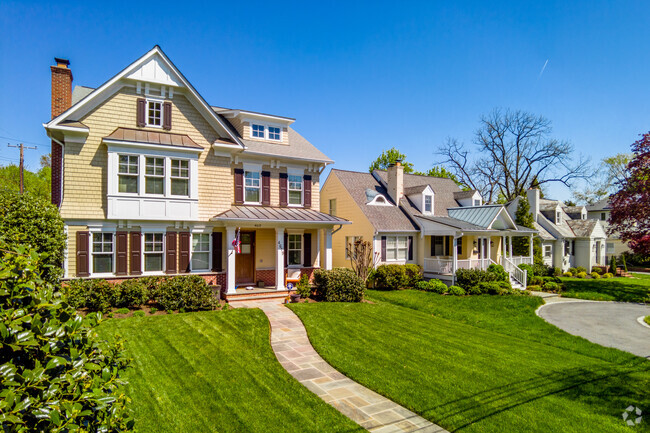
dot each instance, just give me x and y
(230, 260)
(530, 248)
(503, 250)
(488, 246)
(510, 246)
(279, 258)
(455, 260)
(317, 261)
(328, 249)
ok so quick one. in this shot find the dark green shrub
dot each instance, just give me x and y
(477, 289)
(456, 291)
(303, 288)
(551, 279)
(413, 275)
(122, 311)
(573, 271)
(101, 295)
(499, 271)
(153, 310)
(76, 292)
(613, 265)
(30, 220)
(187, 292)
(467, 278)
(339, 285)
(393, 277)
(551, 287)
(529, 272)
(152, 285)
(597, 269)
(139, 313)
(557, 272)
(535, 281)
(57, 374)
(493, 288)
(581, 269)
(131, 293)
(433, 285)
(541, 270)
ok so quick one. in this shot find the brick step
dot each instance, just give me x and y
(253, 296)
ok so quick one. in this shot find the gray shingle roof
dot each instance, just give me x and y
(459, 195)
(79, 93)
(298, 148)
(443, 189)
(543, 233)
(600, 205)
(383, 218)
(564, 229)
(278, 214)
(481, 216)
(582, 228)
(414, 189)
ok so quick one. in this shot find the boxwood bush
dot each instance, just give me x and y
(501, 274)
(581, 275)
(456, 291)
(131, 293)
(432, 285)
(185, 292)
(529, 272)
(470, 278)
(595, 275)
(393, 277)
(339, 285)
(57, 375)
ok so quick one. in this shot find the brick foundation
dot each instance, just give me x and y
(266, 275)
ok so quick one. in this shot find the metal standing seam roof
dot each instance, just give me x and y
(481, 216)
(277, 214)
(153, 137)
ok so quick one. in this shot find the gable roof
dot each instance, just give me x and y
(415, 189)
(459, 195)
(383, 218)
(600, 205)
(482, 216)
(582, 228)
(174, 77)
(298, 148)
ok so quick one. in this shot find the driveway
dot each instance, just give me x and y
(611, 324)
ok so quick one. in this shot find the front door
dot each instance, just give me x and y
(245, 260)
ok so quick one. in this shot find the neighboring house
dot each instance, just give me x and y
(417, 219)
(569, 238)
(601, 211)
(152, 180)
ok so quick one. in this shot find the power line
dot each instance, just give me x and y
(25, 141)
(22, 161)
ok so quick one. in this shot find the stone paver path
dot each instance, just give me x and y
(296, 354)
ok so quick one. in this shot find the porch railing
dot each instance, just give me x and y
(519, 275)
(446, 266)
(518, 260)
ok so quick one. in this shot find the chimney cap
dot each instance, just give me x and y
(61, 62)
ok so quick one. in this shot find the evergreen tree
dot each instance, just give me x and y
(520, 244)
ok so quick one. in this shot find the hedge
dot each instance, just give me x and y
(393, 277)
(339, 285)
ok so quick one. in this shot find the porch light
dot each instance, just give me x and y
(475, 243)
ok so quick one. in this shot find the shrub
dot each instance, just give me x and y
(152, 285)
(477, 289)
(541, 270)
(26, 219)
(581, 269)
(131, 293)
(573, 271)
(100, 295)
(597, 269)
(557, 272)
(568, 274)
(613, 265)
(122, 311)
(467, 278)
(413, 275)
(492, 288)
(595, 275)
(153, 310)
(534, 288)
(536, 281)
(390, 277)
(608, 275)
(498, 270)
(582, 275)
(57, 374)
(76, 292)
(339, 285)
(529, 271)
(551, 287)
(139, 313)
(303, 287)
(433, 285)
(551, 279)
(456, 291)
(187, 292)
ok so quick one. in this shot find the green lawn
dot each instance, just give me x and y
(479, 364)
(215, 371)
(635, 289)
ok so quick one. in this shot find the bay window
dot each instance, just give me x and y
(162, 176)
(153, 252)
(295, 189)
(127, 177)
(180, 177)
(294, 249)
(102, 253)
(396, 248)
(252, 187)
(200, 251)
(154, 175)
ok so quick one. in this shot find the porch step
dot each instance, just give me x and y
(253, 296)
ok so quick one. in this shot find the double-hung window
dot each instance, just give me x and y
(257, 131)
(200, 251)
(274, 133)
(295, 189)
(180, 177)
(548, 251)
(154, 112)
(396, 248)
(294, 249)
(438, 245)
(154, 175)
(153, 252)
(128, 174)
(252, 187)
(567, 248)
(477, 202)
(428, 204)
(102, 253)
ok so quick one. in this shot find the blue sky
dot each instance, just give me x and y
(359, 77)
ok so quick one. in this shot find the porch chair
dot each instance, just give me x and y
(292, 276)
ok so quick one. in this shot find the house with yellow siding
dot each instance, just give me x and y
(150, 179)
(422, 220)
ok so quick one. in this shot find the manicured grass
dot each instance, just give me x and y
(647, 320)
(635, 289)
(215, 371)
(478, 364)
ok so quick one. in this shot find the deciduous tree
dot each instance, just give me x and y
(388, 157)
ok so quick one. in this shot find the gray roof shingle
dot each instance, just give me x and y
(600, 205)
(582, 228)
(298, 148)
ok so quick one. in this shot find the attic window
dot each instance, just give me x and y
(428, 204)
(274, 133)
(558, 217)
(257, 131)
(477, 202)
(154, 112)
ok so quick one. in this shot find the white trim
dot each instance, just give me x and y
(208, 232)
(110, 142)
(302, 248)
(163, 252)
(284, 121)
(258, 187)
(92, 230)
(160, 101)
(302, 189)
(266, 134)
(376, 201)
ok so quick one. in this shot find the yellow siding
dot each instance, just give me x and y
(265, 248)
(72, 249)
(348, 209)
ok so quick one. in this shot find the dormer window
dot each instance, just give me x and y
(154, 112)
(257, 131)
(477, 202)
(558, 217)
(428, 204)
(274, 133)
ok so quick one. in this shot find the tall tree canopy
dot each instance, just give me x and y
(514, 151)
(388, 157)
(630, 215)
(37, 183)
(606, 180)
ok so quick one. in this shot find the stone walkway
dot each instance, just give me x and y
(296, 354)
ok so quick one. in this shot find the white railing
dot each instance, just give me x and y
(446, 266)
(518, 260)
(519, 275)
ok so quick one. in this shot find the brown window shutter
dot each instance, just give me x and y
(121, 241)
(283, 189)
(170, 253)
(142, 108)
(217, 252)
(184, 252)
(410, 248)
(307, 190)
(306, 248)
(136, 253)
(83, 256)
(286, 249)
(266, 188)
(383, 248)
(167, 115)
(239, 186)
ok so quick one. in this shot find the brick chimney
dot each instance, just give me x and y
(533, 201)
(396, 181)
(61, 101)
